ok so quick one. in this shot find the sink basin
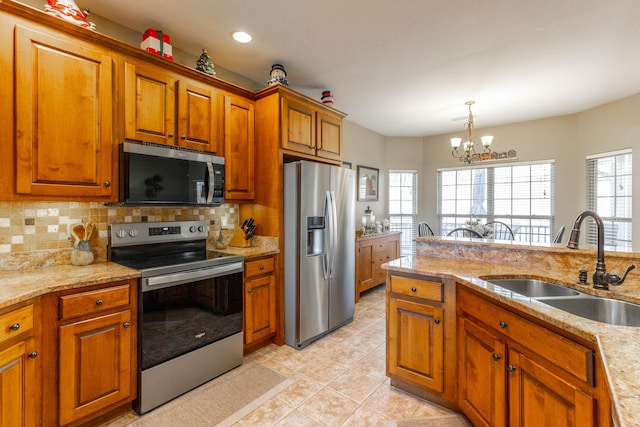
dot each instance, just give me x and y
(533, 288)
(606, 310)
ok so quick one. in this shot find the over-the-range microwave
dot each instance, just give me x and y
(153, 174)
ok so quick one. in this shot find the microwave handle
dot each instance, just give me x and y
(210, 182)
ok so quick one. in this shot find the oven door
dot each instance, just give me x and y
(182, 312)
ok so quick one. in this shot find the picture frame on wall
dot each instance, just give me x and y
(368, 184)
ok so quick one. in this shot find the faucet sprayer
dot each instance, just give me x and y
(601, 279)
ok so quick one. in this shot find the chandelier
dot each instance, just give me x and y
(468, 153)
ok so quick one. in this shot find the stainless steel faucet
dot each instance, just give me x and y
(601, 279)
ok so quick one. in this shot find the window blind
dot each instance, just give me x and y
(403, 207)
(609, 185)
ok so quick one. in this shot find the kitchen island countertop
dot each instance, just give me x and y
(619, 346)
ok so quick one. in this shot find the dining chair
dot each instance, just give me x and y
(558, 237)
(424, 229)
(464, 232)
(501, 231)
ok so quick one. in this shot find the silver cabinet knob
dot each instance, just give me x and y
(126, 325)
(503, 324)
(496, 357)
(511, 368)
(107, 183)
(99, 302)
(15, 326)
(33, 355)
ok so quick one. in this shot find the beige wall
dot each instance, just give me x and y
(565, 139)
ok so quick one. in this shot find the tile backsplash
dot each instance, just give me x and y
(27, 227)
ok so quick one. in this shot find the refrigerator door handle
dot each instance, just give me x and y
(333, 240)
(326, 260)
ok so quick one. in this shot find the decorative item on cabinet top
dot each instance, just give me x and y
(205, 64)
(70, 12)
(157, 43)
(327, 98)
(278, 75)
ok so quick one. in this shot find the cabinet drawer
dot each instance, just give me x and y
(258, 267)
(572, 357)
(417, 288)
(93, 302)
(16, 322)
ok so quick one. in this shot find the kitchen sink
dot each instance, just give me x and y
(606, 310)
(533, 288)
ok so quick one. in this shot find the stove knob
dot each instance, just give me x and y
(201, 228)
(133, 232)
(121, 233)
(192, 229)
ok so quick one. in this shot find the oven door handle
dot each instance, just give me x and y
(167, 280)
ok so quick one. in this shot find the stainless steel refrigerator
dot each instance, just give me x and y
(319, 244)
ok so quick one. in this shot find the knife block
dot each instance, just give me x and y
(238, 240)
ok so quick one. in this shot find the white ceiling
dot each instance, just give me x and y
(406, 67)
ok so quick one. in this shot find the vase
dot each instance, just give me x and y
(82, 253)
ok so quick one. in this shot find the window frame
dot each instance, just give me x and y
(408, 221)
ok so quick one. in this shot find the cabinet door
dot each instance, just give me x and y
(481, 375)
(19, 390)
(198, 114)
(537, 397)
(329, 142)
(415, 346)
(364, 267)
(260, 308)
(149, 103)
(239, 148)
(298, 127)
(63, 102)
(95, 365)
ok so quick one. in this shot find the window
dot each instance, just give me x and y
(403, 207)
(609, 194)
(518, 194)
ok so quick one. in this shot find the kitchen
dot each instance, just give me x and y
(42, 221)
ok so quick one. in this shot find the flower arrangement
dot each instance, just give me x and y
(481, 229)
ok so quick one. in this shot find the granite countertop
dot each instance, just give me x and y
(619, 346)
(20, 285)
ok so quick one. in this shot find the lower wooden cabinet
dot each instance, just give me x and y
(421, 336)
(371, 253)
(93, 335)
(260, 300)
(512, 371)
(20, 367)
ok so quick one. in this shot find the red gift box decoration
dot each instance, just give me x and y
(154, 41)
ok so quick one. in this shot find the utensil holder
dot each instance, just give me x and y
(82, 253)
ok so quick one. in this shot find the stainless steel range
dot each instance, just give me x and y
(190, 306)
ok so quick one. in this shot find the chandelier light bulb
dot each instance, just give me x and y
(455, 142)
(487, 140)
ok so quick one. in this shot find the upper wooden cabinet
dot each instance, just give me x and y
(151, 94)
(63, 115)
(239, 147)
(308, 130)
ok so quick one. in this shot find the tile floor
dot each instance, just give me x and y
(340, 380)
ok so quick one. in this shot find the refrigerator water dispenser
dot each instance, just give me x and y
(315, 235)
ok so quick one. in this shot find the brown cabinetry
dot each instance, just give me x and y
(515, 372)
(63, 116)
(371, 253)
(421, 336)
(20, 366)
(260, 300)
(96, 344)
(239, 151)
(308, 130)
(151, 95)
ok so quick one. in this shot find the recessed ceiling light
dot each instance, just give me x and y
(242, 37)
